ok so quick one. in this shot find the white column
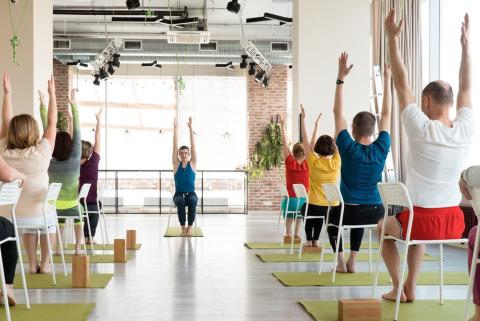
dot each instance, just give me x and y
(321, 30)
(34, 54)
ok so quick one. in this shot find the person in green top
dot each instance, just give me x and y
(65, 168)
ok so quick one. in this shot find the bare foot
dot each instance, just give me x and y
(190, 231)
(309, 243)
(409, 293)
(315, 243)
(341, 267)
(45, 269)
(184, 231)
(78, 250)
(10, 296)
(34, 269)
(350, 266)
(392, 296)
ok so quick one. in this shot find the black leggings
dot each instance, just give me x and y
(92, 217)
(313, 227)
(9, 250)
(354, 215)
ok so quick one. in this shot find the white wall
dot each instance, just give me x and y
(323, 29)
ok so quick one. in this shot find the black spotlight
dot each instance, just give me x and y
(265, 82)
(243, 64)
(96, 82)
(102, 73)
(132, 4)
(251, 71)
(233, 6)
(115, 61)
(110, 69)
(260, 76)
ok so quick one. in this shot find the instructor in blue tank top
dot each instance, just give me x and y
(184, 164)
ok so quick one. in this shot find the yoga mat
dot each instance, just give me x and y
(44, 281)
(49, 312)
(420, 310)
(315, 257)
(176, 231)
(363, 278)
(97, 258)
(278, 246)
(100, 247)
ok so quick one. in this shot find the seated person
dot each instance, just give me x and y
(470, 178)
(296, 172)
(184, 164)
(89, 175)
(323, 165)
(436, 145)
(363, 162)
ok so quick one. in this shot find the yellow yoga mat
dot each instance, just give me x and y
(97, 258)
(50, 312)
(315, 257)
(176, 231)
(44, 281)
(101, 247)
(279, 246)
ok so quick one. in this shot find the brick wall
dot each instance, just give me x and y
(62, 84)
(263, 104)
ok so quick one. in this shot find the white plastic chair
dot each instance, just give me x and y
(9, 194)
(296, 214)
(333, 195)
(49, 205)
(475, 193)
(284, 194)
(397, 194)
(301, 192)
(82, 195)
(101, 217)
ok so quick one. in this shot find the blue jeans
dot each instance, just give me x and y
(182, 201)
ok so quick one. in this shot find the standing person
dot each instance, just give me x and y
(363, 162)
(65, 169)
(184, 164)
(435, 160)
(89, 162)
(323, 164)
(22, 149)
(296, 172)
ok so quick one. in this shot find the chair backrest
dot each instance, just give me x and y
(9, 193)
(84, 191)
(284, 191)
(332, 192)
(300, 191)
(394, 194)
(475, 193)
(100, 191)
(53, 192)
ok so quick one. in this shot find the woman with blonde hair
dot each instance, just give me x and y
(22, 149)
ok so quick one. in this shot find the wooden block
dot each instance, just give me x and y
(288, 240)
(119, 251)
(80, 271)
(359, 310)
(312, 249)
(131, 239)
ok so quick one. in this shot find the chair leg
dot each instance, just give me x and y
(377, 265)
(370, 250)
(323, 251)
(301, 240)
(99, 224)
(59, 243)
(441, 273)
(400, 284)
(337, 248)
(89, 234)
(473, 271)
(4, 289)
(50, 254)
(105, 226)
(294, 227)
(22, 270)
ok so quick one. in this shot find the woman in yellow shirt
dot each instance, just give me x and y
(324, 166)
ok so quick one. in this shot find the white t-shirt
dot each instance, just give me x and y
(436, 156)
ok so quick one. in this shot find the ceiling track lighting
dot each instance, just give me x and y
(228, 65)
(77, 63)
(106, 60)
(233, 6)
(103, 73)
(110, 68)
(96, 81)
(132, 4)
(152, 64)
(251, 70)
(243, 63)
(265, 67)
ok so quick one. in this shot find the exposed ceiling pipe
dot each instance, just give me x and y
(102, 12)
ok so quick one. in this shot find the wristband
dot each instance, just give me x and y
(340, 82)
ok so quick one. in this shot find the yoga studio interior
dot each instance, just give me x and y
(239, 160)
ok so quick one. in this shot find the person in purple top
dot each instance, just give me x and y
(89, 175)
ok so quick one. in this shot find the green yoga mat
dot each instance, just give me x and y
(50, 312)
(420, 310)
(44, 281)
(100, 247)
(363, 278)
(315, 257)
(97, 258)
(176, 231)
(278, 246)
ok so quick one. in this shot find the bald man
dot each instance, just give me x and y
(437, 152)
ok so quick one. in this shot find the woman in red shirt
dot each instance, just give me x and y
(296, 172)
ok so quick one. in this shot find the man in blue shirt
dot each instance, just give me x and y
(363, 161)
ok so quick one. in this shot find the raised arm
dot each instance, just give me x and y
(193, 149)
(338, 108)
(286, 150)
(70, 121)
(399, 72)
(387, 99)
(43, 109)
(98, 137)
(315, 130)
(464, 98)
(306, 143)
(175, 160)
(50, 131)
(7, 113)
(76, 136)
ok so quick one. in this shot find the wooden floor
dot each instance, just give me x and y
(214, 278)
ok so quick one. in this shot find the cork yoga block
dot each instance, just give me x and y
(131, 239)
(80, 271)
(359, 310)
(312, 249)
(288, 240)
(119, 251)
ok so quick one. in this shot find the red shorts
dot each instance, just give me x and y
(433, 223)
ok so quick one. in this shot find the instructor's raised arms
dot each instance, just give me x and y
(338, 108)
(464, 98)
